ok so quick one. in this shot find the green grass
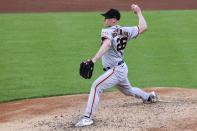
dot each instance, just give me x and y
(40, 53)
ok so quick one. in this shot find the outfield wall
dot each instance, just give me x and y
(20, 6)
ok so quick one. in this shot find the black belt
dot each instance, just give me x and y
(107, 68)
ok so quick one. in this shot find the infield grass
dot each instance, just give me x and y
(40, 53)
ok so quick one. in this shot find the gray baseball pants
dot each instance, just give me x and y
(116, 76)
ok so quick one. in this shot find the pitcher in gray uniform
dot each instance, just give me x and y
(114, 40)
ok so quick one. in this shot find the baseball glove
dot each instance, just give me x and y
(86, 69)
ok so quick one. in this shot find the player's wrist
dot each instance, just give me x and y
(94, 60)
(139, 13)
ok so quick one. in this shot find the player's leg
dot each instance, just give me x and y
(105, 81)
(126, 88)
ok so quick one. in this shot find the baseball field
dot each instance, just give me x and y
(41, 49)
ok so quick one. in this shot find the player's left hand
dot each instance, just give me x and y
(86, 69)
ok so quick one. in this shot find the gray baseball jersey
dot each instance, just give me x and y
(119, 37)
(116, 75)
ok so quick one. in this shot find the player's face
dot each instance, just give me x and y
(106, 22)
(109, 22)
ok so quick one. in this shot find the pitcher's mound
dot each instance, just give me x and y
(177, 111)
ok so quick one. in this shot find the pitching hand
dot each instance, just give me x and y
(135, 8)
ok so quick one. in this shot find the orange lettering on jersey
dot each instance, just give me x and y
(115, 33)
(105, 33)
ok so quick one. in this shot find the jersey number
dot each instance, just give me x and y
(121, 43)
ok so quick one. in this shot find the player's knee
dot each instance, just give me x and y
(97, 87)
(94, 84)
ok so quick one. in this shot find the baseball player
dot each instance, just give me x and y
(113, 42)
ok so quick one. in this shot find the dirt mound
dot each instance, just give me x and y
(178, 112)
(14, 6)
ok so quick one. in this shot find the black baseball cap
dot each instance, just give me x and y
(112, 13)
